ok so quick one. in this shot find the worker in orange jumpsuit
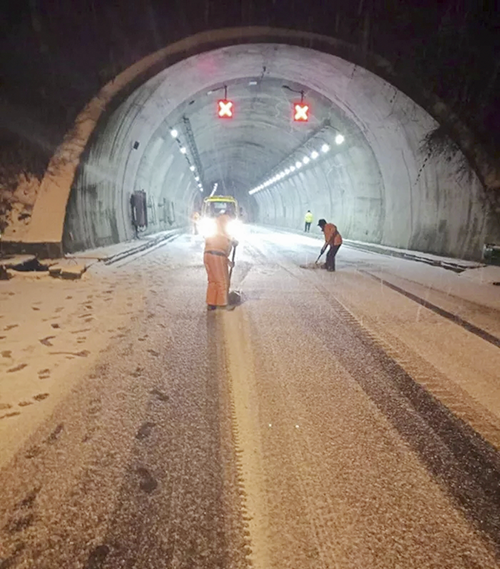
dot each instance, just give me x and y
(333, 239)
(216, 258)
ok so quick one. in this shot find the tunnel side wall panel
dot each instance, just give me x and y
(445, 215)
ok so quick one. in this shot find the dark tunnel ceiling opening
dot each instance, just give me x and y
(375, 187)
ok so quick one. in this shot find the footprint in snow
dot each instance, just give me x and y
(54, 435)
(97, 557)
(12, 414)
(145, 430)
(40, 396)
(17, 368)
(159, 394)
(147, 482)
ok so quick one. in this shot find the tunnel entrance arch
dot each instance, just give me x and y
(60, 175)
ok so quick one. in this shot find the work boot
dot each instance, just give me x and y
(211, 307)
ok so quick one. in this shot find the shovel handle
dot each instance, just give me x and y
(231, 269)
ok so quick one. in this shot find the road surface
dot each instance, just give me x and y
(329, 421)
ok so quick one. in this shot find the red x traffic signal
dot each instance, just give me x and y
(225, 109)
(301, 112)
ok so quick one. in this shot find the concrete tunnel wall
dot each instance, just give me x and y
(377, 186)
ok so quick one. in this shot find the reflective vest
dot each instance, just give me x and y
(309, 217)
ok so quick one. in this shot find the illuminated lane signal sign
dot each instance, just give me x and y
(225, 109)
(301, 112)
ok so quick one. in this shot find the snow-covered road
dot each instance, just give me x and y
(338, 420)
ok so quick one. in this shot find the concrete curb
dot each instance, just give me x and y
(458, 265)
(140, 248)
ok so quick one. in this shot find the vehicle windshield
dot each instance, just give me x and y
(213, 209)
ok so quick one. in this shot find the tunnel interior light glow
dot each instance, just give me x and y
(207, 227)
(174, 133)
(252, 82)
(235, 228)
(183, 150)
(310, 155)
(197, 178)
(192, 168)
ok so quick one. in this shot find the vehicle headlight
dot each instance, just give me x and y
(235, 228)
(207, 227)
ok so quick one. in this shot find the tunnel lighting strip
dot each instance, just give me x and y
(294, 167)
(174, 133)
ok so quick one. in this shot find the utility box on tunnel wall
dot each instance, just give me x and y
(491, 253)
(139, 207)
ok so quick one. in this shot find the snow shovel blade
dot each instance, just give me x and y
(310, 266)
(234, 297)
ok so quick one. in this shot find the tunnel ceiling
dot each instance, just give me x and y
(375, 181)
(239, 152)
(236, 153)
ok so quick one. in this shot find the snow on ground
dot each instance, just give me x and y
(51, 333)
(483, 275)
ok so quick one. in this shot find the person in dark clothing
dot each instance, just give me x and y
(333, 239)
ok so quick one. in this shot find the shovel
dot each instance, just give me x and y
(233, 296)
(313, 265)
(320, 255)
